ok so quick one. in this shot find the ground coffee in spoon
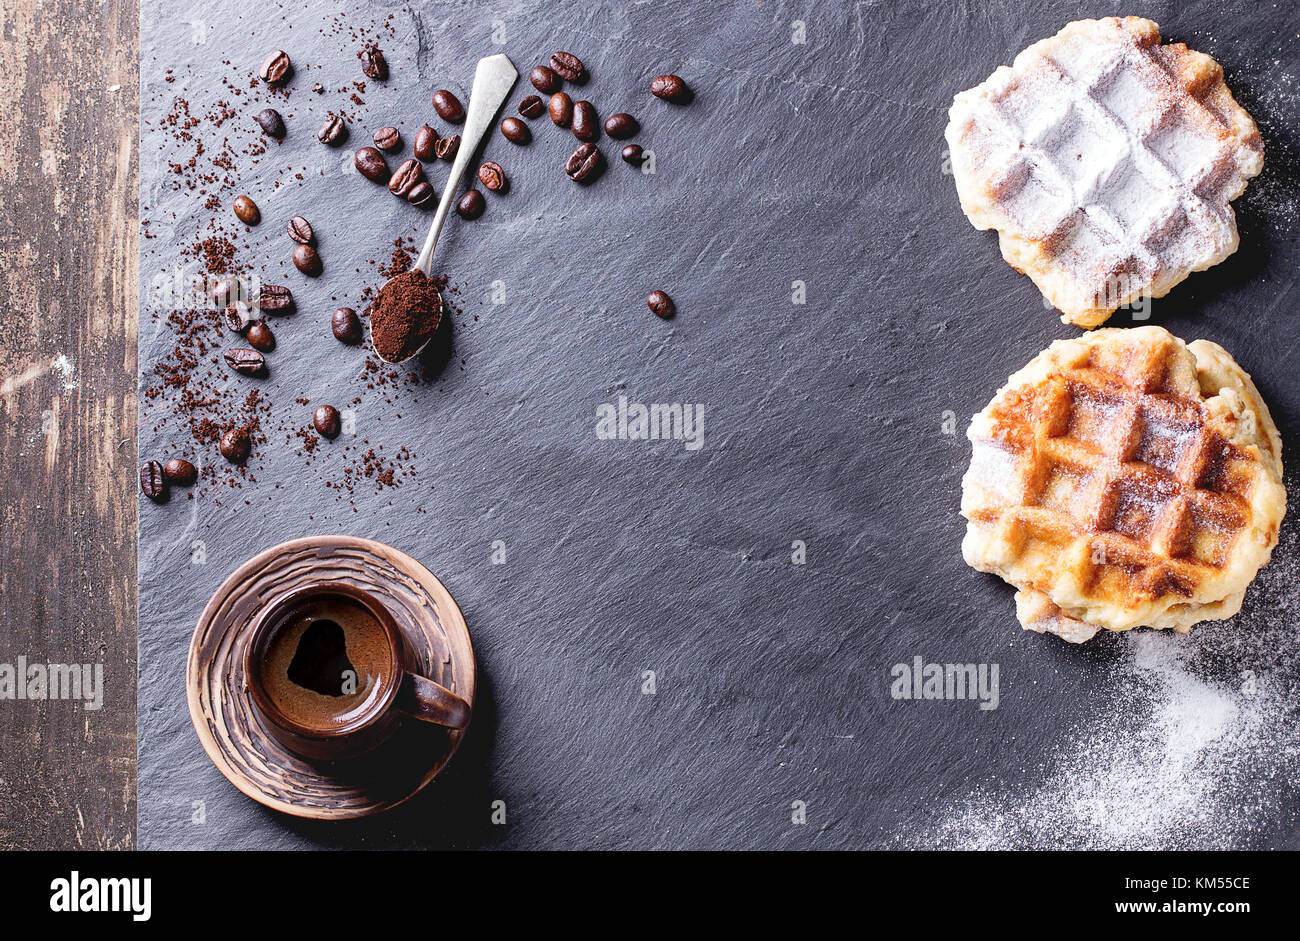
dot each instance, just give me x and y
(405, 314)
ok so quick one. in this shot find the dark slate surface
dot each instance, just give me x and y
(819, 162)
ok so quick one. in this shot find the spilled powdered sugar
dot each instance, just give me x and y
(1200, 750)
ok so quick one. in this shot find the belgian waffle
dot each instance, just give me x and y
(1106, 162)
(1124, 478)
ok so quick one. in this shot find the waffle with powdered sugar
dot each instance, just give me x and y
(1106, 162)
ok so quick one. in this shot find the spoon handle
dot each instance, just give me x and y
(493, 79)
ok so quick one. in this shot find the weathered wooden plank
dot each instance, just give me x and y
(68, 247)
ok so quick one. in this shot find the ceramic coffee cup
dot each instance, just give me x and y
(331, 676)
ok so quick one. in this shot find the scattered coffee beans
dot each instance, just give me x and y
(544, 80)
(346, 325)
(371, 164)
(153, 482)
(236, 445)
(492, 176)
(307, 260)
(238, 316)
(300, 230)
(568, 66)
(388, 139)
(332, 131)
(516, 131)
(561, 109)
(422, 195)
(405, 177)
(446, 147)
(448, 106)
(275, 299)
(327, 421)
(260, 337)
(180, 472)
(374, 64)
(426, 142)
(247, 210)
(633, 154)
(661, 304)
(275, 68)
(531, 106)
(271, 122)
(670, 88)
(584, 164)
(621, 126)
(246, 362)
(586, 126)
(471, 205)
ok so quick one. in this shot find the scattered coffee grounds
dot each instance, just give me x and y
(405, 314)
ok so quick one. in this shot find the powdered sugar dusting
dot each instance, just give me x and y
(1200, 751)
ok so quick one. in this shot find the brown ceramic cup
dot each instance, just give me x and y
(333, 727)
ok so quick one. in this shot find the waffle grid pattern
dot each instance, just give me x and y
(1119, 484)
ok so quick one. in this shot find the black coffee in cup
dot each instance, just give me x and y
(324, 662)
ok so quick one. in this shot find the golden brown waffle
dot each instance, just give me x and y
(1106, 162)
(1124, 478)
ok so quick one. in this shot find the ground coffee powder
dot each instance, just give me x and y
(404, 315)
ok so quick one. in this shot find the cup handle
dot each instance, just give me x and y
(424, 699)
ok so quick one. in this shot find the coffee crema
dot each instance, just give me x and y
(324, 661)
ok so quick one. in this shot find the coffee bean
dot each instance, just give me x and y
(388, 139)
(307, 260)
(275, 298)
(153, 482)
(633, 154)
(260, 337)
(371, 164)
(661, 304)
(586, 126)
(299, 230)
(374, 64)
(471, 205)
(446, 148)
(275, 68)
(568, 66)
(448, 106)
(492, 177)
(247, 210)
(238, 316)
(246, 362)
(332, 131)
(227, 291)
(670, 88)
(327, 421)
(621, 126)
(426, 140)
(346, 325)
(236, 446)
(271, 122)
(422, 195)
(531, 106)
(584, 164)
(405, 177)
(180, 472)
(516, 131)
(544, 80)
(561, 109)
